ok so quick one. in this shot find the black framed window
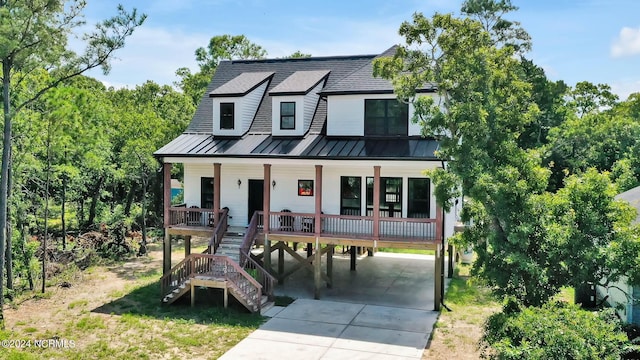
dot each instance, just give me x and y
(419, 205)
(390, 196)
(386, 117)
(287, 115)
(350, 195)
(227, 120)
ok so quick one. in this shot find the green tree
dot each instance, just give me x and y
(298, 55)
(588, 98)
(549, 96)
(147, 117)
(220, 47)
(490, 13)
(34, 35)
(483, 107)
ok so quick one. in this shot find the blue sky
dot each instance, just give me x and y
(573, 40)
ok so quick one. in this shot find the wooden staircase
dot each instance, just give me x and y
(230, 246)
(215, 271)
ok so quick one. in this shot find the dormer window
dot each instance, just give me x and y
(227, 120)
(287, 115)
(386, 117)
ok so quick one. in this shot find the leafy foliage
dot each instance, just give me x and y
(220, 47)
(490, 124)
(554, 331)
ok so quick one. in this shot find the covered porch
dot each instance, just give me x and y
(280, 231)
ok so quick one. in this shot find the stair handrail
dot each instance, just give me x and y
(192, 265)
(182, 271)
(249, 236)
(267, 280)
(219, 230)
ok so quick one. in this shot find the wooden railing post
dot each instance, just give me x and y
(376, 202)
(266, 208)
(166, 178)
(216, 192)
(439, 215)
(318, 192)
(166, 256)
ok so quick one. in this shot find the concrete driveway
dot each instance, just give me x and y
(380, 311)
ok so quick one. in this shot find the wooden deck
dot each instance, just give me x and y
(346, 230)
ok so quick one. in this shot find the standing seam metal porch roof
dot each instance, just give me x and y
(309, 147)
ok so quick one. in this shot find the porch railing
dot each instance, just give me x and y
(192, 216)
(418, 229)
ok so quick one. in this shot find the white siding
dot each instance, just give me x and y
(284, 195)
(236, 197)
(245, 108)
(310, 104)
(250, 105)
(275, 113)
(345, 114)
(192, 176)
(618, 299)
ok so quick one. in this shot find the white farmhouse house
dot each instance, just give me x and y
(313, 150)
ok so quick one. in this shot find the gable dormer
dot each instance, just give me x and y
(294, 101)
(236, 102)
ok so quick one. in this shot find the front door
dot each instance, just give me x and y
(206, 192)
(256, 197)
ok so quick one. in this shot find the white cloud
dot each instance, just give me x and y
(152, 54)
(625, 88)
(353, 37)
(627, 43)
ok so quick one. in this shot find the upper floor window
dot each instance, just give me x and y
(386, 117)
(287, 115)
(226, 116)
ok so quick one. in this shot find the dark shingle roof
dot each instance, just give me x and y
(363, 82)
(299, 83)
(339, 67)
(241, 84)
(342, 74)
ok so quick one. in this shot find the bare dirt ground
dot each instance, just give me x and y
(114, 312)
(89, 290)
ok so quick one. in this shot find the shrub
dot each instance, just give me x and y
(554, 331)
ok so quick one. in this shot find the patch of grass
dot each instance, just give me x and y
(77, 303)
(89, 323)
(567, 294)
(30, 330)
(456, 333)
